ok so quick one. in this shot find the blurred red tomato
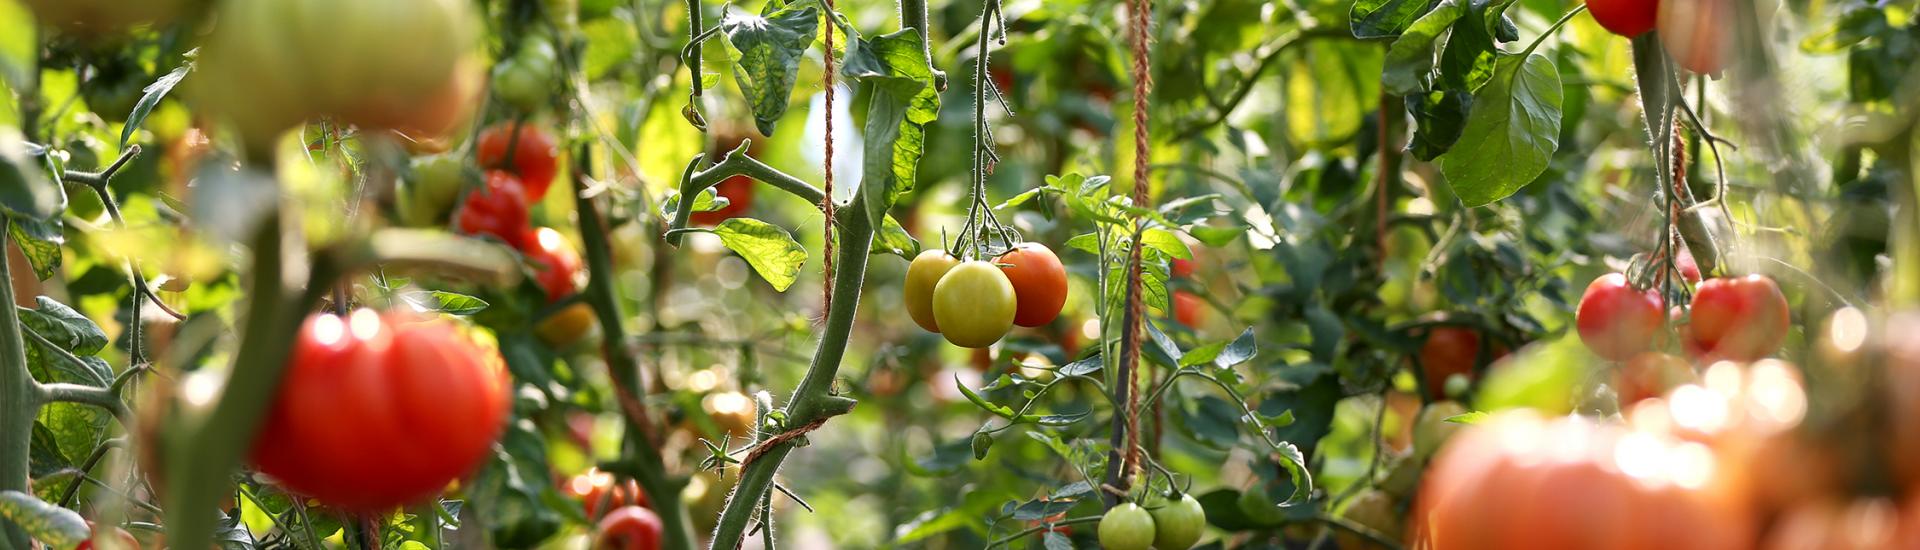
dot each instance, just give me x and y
(1649, 375)
(738, 190)
(628, 528)
(536, 155)
(1617, 321)
(1738, 318)
(498, 210)
(599, 492)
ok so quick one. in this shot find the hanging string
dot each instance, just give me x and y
(1142, 83)
(826, 198)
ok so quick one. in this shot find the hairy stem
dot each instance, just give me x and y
(18, 403)
(1658, 92)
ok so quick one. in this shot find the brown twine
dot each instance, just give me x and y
(1142, 83)
(768, 445)
(826, 198)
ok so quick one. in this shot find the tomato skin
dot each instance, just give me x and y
(536, 157)
(1449, 350)
(1738, 318)
(1187, 308)
(1180, 269)
(1039, 283)
(525, 79)
(628, 528)
(566, 327)
(922, 274)
(974, 304)
(498, 210)
(1616, 321)
(1698, 33)
(1649, 375)
(1627, 18)
(738, 190)
(556, 265)
(1178, 524)
(1126, 527)
(598, 492)
(429, 400)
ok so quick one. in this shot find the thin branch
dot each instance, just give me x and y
(61, 392)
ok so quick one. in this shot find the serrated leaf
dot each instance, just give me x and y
(1085, 242)
(1167, 243)
(63, 326)
(769, 50)
(1017, 200)
(441, 301)
(1410, 58)
(703, 202)
(57, 527)
(40, 242)
(25, 189)
(153, 93)
(903, 101)
(1041, 509)
(768, 248)
(1511, 134)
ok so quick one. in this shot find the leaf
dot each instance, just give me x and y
(1216, 236)
(1438, 117)
(1167, 243)
(1017, 200)
(982, 442)
(40, 241)
(1470, 417)
(1511, 133)
(64, 327)
(1087, 242)
(769, 51)
(1241, 350)
(769, 249)
(1082, 367)
(57, 527)
(443, 302)
(703, 202)
(1053, 540)
(1410, 58)
(902, 103)
(1384, 18)
(154, 93)
(25, 189)
(894, 239)
(1163, 350)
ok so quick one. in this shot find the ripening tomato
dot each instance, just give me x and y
(1689, 267)
(1627, 18)
(536, 156)
(1039, 283)
(1699, 33)
(1738, 318)
(599, 492)
(115, 539)
(1180, 269)
(525, 80)
(428, 190)
(564, 328)
(556, 266)
(1126, 527)
(1178, 524)
(1617, 321)
(738, 190)
(1448, 351)
(974, 304)
(1373, 509)
(425, 397)
(922, 274)
(1187, 308)
(1649, 375)
(1902, 366)
(628, 528)
(498, 210)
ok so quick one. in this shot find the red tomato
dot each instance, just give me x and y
(536, 157)
(1187, 308)
(1698, 33)
(1616, 321)
(122, 540)
(738, 191)
(599, 492)
(1627, 18)
(555, 264)
(1449, 350)
(376, 411)
(1738, 318)
(628, 528)
(1649, 375)
(1689, 268)
(1181, 269)
(1039, 283)
(499, 210)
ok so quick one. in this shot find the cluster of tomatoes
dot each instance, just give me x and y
(975, 303)
(1741, 319)
(618, 510)
(1175, 524)
(1694, 32)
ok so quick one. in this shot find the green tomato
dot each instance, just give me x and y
(973, 304)
(1177, 525)
(1126, 527)
(922, 275)
(525, 80)
(430, 189)
(1431, 429)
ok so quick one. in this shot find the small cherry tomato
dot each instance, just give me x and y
(555, 264)
(1126, 527)
(628, 528)
(974, 304)
(1373, 509)
(566, 327)
(738, 190)
(1617, 321)
(1187, 308)
(536, 155)
(499, 209)
(1627, 18)
(922, 274)
(599, 492)
(525, 80)
(1738, 318)
(1178, 524)
(1039, 283)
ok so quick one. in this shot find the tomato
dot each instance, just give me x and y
(1689, 268)
(1039, 283)
(1187, 308)
(1617, 321)
(628, 528)
(268, 66)
(1126, 527)
(974, 304)
(1180, 269)
(428, 190)
(1373, 509)
(1860, 525)
(376, 411)
(525, 80)
(1649, 375)
(1627, 18)
(566, 327)
(733, 411)
(1902, 367)
(738, 190)
(599, 492)
(115, 539)
(498, 210)
(536, 156)
(1698, 33)
(1448, 351)
(1738, 318)
(103, 16)
(1178, 524)
(556, 266)
(1431, 430)
(922, 274)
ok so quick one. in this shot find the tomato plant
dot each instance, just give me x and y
(1738, 318)
(1618, 321)
(498, 210)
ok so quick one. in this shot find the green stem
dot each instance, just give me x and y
(736, 163)
(1658, 92)
(18, 403)
(86, 395)
(1905, 240)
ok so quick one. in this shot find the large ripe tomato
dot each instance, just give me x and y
(377, 411)
(1627, 18)
(1178, 524)
(1738, 318)
(1698, 33)
(1126, 527)
(922, 274)
(566, 327)
(599, 492)
(536, 156)
(1902, 338)
(556, 265)
(1448, 351)
(1649, 375)
(428, 190)
(1039, 283)
(628, 528)
(738, 190)
(1617, 321)
(973, 304)
(498, 210)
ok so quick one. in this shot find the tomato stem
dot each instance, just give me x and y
(18, 402)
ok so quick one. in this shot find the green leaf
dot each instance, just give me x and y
(982, 442)
(441, 301)
(1470, 417)
(1410, 58)
(1167, 243)
(1241, 350)
(703, 202)
(1164, 350)
(902, 103)
(63, 326)
(769, 249)
(1511, 133)
(1083, 367)
(57, 527)
(154, 93)
(894, 239)
(25, 189)
(1087, 242)
(1017, 200)
(1384, 18)
(769, 50)
(40, 241)
(1216, 236)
